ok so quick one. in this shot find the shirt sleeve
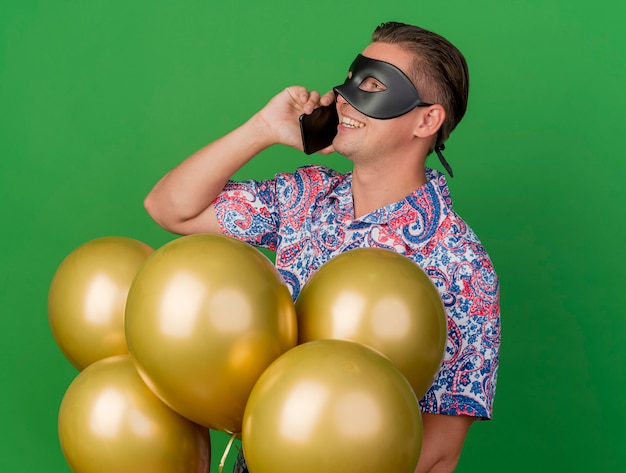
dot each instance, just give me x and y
(466, 279)
(247, 211)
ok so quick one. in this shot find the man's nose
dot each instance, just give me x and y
(340, 99)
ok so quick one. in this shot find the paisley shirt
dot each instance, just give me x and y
(307, 218)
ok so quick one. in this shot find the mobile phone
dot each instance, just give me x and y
(319, 128)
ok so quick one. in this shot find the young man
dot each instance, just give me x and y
(404, 95)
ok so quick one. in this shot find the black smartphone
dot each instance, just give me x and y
(319, 128)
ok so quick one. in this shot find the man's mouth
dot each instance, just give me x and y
(351, 123)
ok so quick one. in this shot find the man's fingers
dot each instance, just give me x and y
(312, 102)
(299, 94)
(328, 98)
(309, 100)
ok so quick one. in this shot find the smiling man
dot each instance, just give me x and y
(404, 95)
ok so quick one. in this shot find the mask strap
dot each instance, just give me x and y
(438, 150)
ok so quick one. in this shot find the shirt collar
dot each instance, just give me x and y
(432, 198)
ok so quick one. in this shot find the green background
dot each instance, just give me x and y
(99, 98)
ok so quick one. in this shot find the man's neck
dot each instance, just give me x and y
(373, 188)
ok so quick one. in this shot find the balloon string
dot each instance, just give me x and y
(223, 460)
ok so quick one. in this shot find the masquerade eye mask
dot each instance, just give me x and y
(399, 97)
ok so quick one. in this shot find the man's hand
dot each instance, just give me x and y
(181, 202)
(280, 117)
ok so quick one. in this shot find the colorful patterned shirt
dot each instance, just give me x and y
(307, 218)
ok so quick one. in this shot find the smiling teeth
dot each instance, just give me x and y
(351, 123)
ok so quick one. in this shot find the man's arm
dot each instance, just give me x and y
(181, 202)
(442, 442)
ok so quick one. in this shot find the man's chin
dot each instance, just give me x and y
(344, 149)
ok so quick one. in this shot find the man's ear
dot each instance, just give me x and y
(431, 119)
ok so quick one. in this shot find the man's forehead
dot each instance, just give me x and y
(391, 54)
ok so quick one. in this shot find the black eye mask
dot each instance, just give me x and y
(399, 98)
